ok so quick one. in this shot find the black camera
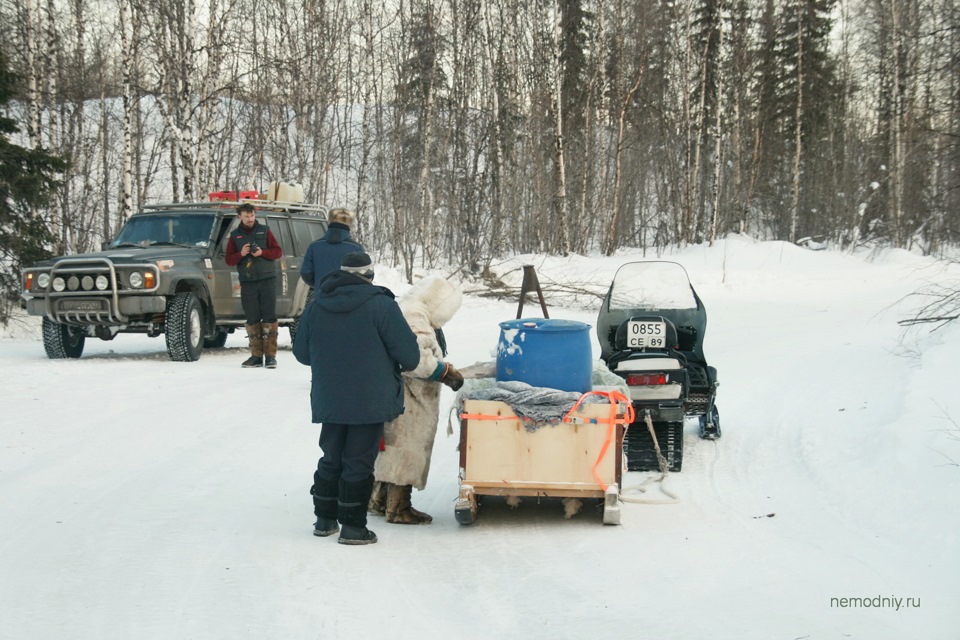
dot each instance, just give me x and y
(253, 247)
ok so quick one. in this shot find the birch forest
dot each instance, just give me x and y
(465, 130)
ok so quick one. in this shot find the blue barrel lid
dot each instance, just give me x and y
(544, 324)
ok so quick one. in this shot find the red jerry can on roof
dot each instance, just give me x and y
(231, 196)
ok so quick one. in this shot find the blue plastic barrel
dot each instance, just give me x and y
(546, 353)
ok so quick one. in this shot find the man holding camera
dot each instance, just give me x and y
(253, 250)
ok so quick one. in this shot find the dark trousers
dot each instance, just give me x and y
(259, 300)
(349, 451)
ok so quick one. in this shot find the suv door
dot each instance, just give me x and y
(306, 229)
(226, 280)
(289, 264)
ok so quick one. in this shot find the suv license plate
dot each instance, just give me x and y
(83, 305)
(646, 334)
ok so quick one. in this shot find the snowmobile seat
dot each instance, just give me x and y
(647, 362)
(661, 377)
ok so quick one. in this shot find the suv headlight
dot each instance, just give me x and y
(59, 284)
(136, 280)
(43, 280)
(102, 282)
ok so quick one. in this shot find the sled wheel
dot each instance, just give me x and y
(466, 508)
(611, 505)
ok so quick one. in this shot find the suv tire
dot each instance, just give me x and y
(61, 340)
(217, 341)
(295, 325)
(184, 327)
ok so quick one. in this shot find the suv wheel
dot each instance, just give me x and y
(184, 327)
(292, 327)
(295, 325)
(61, 340)
(217, 341)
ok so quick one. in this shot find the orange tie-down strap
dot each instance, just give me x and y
(615, 397)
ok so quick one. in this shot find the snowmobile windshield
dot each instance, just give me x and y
(158, 229)
(651, 286)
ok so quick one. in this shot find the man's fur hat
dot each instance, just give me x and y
(343, 216)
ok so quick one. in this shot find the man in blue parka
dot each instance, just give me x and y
(356, 341)
(325, 254)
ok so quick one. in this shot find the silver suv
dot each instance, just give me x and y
(165, 273)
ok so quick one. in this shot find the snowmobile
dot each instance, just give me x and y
(651, 328)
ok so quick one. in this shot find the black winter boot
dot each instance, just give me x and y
(325, 494)
(356, 535)
(352, 512)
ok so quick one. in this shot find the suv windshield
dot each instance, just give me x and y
(177, 229)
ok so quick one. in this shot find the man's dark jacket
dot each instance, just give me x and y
(325, 255)
(356, 341)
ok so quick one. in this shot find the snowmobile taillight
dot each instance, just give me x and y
(645, 379)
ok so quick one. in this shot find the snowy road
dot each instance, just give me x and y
(143, 498)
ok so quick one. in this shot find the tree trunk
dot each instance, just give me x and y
(563, 243)
(611, 244)
(798, 130)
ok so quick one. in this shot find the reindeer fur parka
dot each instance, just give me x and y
(408, 440)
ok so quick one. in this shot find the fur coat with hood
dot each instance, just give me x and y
(408, 440)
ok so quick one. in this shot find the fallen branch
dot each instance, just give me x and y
(924, 320)
(554, 294)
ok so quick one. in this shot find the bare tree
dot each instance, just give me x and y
(562, 213)
(798, 124)
(465, 129)
(128, 33)
(611, 242)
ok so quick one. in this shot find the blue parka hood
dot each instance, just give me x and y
(323, 256)
(341, 291)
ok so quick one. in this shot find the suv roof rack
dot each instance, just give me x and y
(265, 205)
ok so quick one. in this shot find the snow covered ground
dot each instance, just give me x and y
(143, 498)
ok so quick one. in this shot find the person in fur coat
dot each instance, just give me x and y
(408, 440)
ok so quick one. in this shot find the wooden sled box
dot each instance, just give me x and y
(501, 458)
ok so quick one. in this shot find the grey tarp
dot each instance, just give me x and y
(538, 406)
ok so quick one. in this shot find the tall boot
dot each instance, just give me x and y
(352, 512)
(378, 499)
(325, 494)
(399, 509)
(255, 336)
(271, 331)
